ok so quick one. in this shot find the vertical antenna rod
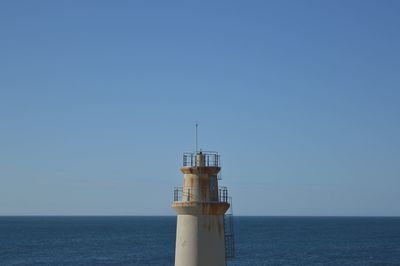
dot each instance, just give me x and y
(197, 125)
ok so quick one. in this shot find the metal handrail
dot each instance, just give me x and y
(211, 159)
(187, 193)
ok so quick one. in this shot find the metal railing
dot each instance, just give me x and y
(201, 194)
(209, 159)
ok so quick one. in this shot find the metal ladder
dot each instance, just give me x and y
(229, 232)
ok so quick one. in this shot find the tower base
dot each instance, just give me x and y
(200, 240)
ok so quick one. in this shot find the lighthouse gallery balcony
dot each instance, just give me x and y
(206, 159)
(185, 194)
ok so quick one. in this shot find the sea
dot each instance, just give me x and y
(133, 240)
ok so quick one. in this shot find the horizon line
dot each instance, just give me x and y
(135, 215)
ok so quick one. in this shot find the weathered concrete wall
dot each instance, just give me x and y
(200, 240)
(197, 183)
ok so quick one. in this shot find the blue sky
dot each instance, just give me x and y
(98, 100)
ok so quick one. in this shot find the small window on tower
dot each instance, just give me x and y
(213, 181)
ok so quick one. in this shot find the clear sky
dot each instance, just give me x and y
(98, 100)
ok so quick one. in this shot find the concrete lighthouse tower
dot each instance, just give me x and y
(201, 205)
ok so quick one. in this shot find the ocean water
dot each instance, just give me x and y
(151, 241)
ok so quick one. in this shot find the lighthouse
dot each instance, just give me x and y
(204, 234)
